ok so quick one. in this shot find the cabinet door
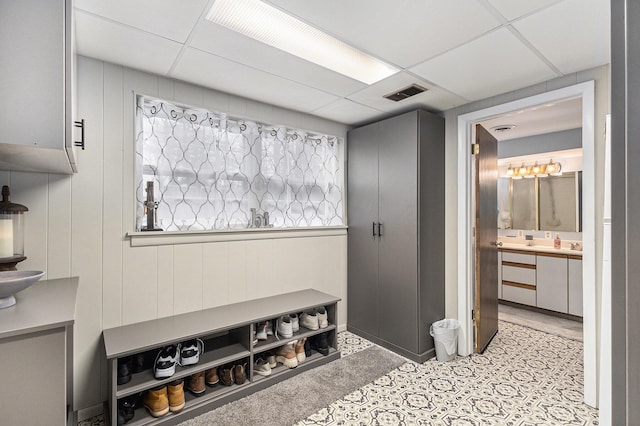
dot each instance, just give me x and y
(551, 283)
(398, 271)
(362, 176)
(575, 287)
(32, 78)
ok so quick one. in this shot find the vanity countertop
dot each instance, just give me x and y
(45, 305)
(540, 249)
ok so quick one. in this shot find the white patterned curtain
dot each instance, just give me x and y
(209, 171)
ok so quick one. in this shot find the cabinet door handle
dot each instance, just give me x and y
(379, 229)
(373, 229)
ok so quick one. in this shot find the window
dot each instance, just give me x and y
(210, 171)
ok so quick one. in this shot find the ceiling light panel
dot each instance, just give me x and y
(271, 26)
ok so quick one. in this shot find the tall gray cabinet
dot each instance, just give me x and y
(396, 231)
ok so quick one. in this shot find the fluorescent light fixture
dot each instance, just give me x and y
(269, 25)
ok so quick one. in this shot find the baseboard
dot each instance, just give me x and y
(419, 358)
(341, 328)
(87, 413)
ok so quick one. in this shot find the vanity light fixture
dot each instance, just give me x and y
(274, 27)
(540, 170)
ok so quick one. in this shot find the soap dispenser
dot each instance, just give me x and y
(557, 244)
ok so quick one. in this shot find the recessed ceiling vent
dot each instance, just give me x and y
(405, 93)
(503, 128)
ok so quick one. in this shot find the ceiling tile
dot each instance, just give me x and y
(230, 77)
(112, 42)
(576, 34)
(228, 44)
(347, 112)
(495, 63)
(171, 19)
(404, 34)
(513, 9)
(434, 98)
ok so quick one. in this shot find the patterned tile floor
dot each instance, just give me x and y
(526, 377)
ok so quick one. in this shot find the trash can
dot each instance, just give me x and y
(445, 336)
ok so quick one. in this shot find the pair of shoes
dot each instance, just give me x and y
(320, 343)
(284, 327)
(230, 374)
(190, 352)
(126, 408)
(263, 331)
(166, 361)
(291, 354)
(262, 367)
(196, 384)
(159, 401)
(315, 319)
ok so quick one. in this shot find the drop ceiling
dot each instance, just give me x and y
(460, 50)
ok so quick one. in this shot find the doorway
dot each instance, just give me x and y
(466, 251)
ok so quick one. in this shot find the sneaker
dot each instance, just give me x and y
(190, 352)
(125, 369)
(261, 331)
(295, 324)
(269, 328)
(271, 359)
(286, 355)
(299, 347)
(239, 374)
(262, 367)
(226, 375)
(175, 393)
(320, 344)
(166, 361)
(309, 320)
(284, 327)
(195, 384)
(211, 376)
(323, 321)
(156, 401)
(307, 347)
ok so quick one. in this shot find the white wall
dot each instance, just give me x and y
(77, 224)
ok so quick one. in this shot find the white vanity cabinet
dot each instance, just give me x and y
(551, 282)
(519, 277)
(575, 285)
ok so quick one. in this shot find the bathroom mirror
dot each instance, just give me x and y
(550, 203)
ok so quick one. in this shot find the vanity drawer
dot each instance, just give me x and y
(519, 295)
(509, 256)
(518, 274)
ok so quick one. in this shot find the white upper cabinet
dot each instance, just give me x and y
(36, 124)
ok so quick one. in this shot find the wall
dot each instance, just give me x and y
(601, 77)
(548, 142)
(77, 226)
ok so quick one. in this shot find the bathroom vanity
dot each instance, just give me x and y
(542, 277)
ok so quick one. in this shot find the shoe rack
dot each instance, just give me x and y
(228, 335)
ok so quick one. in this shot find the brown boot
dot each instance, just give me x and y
(211, 376)
(239, 375)
(299, 346)
(195, 384)
(286, 355)
(175, 392)
(226, 375)
(156, 401)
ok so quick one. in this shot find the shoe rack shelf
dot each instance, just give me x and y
(227, 332)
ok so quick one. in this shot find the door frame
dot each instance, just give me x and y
(585, 91)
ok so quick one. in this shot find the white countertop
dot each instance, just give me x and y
(540, 248)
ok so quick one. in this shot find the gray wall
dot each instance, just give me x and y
(548, 142)
(625, 204)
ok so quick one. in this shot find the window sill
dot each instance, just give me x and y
(161, 238)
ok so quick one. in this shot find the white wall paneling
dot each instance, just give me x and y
(77, 225)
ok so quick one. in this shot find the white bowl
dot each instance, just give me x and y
(11, 282)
